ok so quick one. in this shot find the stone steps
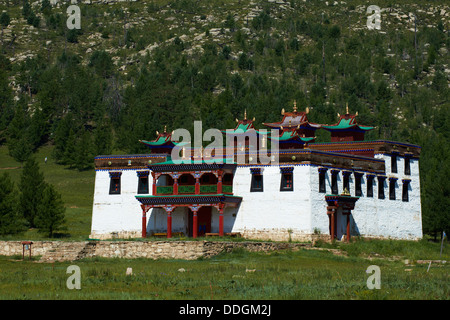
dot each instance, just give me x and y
(69, 252)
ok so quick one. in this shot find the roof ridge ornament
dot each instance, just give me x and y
(295, 105)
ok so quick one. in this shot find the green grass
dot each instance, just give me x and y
(303, 274)
(397, 249)
(76, 188)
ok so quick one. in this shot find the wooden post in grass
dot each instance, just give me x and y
(26, 244)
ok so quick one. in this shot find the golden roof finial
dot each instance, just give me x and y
(295, 105)
(346, 192)
(290, 123)
(307, 110)
(282, 112)
(165, 128)
(245, 114)
(347, 108)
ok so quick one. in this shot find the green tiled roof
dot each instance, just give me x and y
(347, 124)
(161, 141)
(286, 136)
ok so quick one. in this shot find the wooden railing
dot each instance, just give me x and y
(190, 189)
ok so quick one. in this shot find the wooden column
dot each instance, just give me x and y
(221, 208)
(197, 185)
(219, 181)
(332, 214)
(169, 210)
(144, 220)
(154, 183)
(194, 221)
(175, 186)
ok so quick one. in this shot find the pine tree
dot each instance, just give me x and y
(83, 157)
(10, 218)
(19, 146)
(31, 186)
(51, 212)
(69, 149)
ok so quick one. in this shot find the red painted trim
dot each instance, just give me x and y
(169, 225)
(221, 208)
(194, 224)
(144, 221)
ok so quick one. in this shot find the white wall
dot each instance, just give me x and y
(373, 217)
(271, 213)
(116, 213)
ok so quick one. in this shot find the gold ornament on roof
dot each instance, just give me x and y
(295, 105)
(346, 192)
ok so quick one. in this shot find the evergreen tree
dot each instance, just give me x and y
(10, 218)
(31, 186)
(50, 212)
(18, 142)
(69, 149)
(4, 21)
(83, 156)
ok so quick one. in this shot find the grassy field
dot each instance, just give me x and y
(76, 188)
(303, 274)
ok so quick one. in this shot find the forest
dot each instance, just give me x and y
(134, 67)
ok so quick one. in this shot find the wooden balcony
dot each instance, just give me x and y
(190, 189)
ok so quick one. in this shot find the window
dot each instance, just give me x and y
(381, 187)
(405, 196)
(322, 185)
(142, 182)
(407, 166)
(346, 175)
(392, 183)
(287, 182)
(257, 180)
(257, 183)
(143, 185)
(394, 163)
(358, 178)
(287, 178)
(114, 185)
(370, 186)
(334, 185)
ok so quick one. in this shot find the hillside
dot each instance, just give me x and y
(136, 66)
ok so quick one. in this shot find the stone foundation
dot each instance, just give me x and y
(50, 251)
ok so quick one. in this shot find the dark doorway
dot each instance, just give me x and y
(203, 221)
